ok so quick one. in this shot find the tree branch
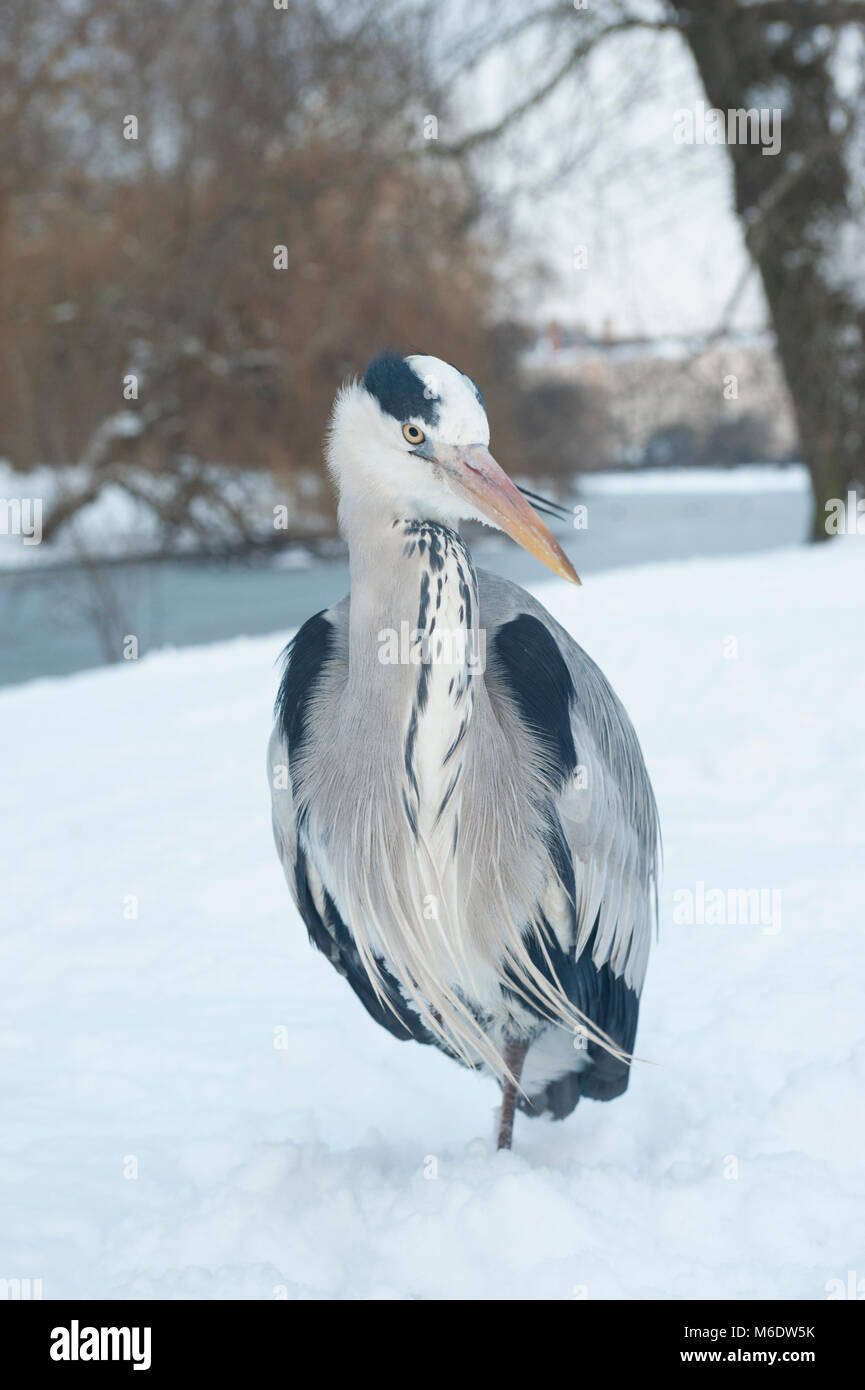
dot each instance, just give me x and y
(546, 89)
(806, 14)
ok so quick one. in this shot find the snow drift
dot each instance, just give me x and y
(196, 1106)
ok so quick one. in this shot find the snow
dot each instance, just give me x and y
(286, 1146)
(749, 477)
(120, 525)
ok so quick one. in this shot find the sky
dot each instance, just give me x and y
(663, 250)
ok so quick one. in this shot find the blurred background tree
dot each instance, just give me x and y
(802, 209)
(271, 226)
(280, 216)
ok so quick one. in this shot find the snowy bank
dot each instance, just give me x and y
(748, 477)
(123, 520)
(196, 1106)
(126, 516)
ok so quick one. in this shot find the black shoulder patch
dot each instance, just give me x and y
(398, 390)
(540, 682)
(305, 657)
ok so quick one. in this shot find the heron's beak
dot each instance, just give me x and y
(474, 475)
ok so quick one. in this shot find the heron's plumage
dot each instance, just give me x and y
(550, 829)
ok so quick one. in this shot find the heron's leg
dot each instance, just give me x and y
(514, 1056)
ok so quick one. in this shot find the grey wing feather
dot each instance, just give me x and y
(319, 644)
(606, 805)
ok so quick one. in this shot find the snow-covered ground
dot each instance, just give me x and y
(747, 477)
(194, 1105)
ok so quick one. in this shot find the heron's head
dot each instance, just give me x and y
(411, 440)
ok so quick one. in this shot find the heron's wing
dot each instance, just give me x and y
(602, 813)
(312, 662)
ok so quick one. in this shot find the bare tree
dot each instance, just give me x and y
(211, 215)
(802, 211)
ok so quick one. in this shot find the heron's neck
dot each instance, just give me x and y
(407, 571)
(415, 649)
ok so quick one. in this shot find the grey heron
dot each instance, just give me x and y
(460, 802)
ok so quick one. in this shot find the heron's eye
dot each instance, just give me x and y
(413, 434)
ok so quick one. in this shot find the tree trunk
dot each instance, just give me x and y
(799, 222)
